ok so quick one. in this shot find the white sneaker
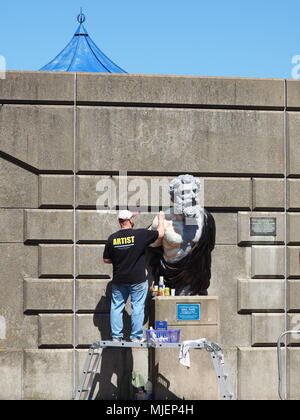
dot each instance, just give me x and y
(117, 340)
(138, 340)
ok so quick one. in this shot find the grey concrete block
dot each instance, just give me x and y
(293, 360)
(293, 127)
(95, 226)
(92, 295)
(11, 362)
(17, 262)
(91, 328)
(268, 193)
(228, 192)
(267, 261)
(55, 329)
(257, 368)
(38, 135)
(22, 192)
(48, 295)
(37, 86)
(48, 374)
(90, 261)
(11, 225)
(293, 94)
(293, 266)
(235, 329)
(293, 190)
(244, 231)
(55, 260)
(48, 225)
(213, 136)
(226, 228)
(293, 228)
(56, 190)
(158, 89)
(260, 295)
(266, 328)
(293, 295)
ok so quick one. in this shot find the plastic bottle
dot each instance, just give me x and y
(161, 286)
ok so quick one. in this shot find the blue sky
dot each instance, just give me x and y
(191, 37)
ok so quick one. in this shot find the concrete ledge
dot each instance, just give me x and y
(293, 94)
(37, 86)
(185, 90)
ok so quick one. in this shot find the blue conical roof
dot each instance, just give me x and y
(82, 55)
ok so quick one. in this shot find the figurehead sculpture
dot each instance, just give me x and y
(183, 256)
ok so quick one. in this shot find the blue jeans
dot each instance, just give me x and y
(120, 294)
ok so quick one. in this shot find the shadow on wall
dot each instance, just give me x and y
(114, 381)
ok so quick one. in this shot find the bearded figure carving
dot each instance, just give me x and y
(183, 256)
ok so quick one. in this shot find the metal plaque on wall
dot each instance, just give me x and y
(263, 226)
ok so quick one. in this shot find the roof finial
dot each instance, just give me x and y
(81, 17)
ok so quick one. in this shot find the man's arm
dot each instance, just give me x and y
(159, 225)
(106, 254)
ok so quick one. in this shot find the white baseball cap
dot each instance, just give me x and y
(126, 214)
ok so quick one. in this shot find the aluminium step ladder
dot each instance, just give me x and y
(93, 358)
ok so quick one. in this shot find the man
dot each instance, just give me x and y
(125, 250)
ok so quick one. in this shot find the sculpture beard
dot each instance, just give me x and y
(184, 256)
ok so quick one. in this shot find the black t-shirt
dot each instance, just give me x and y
(126, 248)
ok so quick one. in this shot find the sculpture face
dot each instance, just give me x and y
(188, 241)
(184, 221)
(184, 191)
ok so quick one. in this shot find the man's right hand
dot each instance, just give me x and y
(161, 225)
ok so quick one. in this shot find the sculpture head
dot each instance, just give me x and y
(184, 191)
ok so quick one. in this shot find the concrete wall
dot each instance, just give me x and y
(231, 132)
